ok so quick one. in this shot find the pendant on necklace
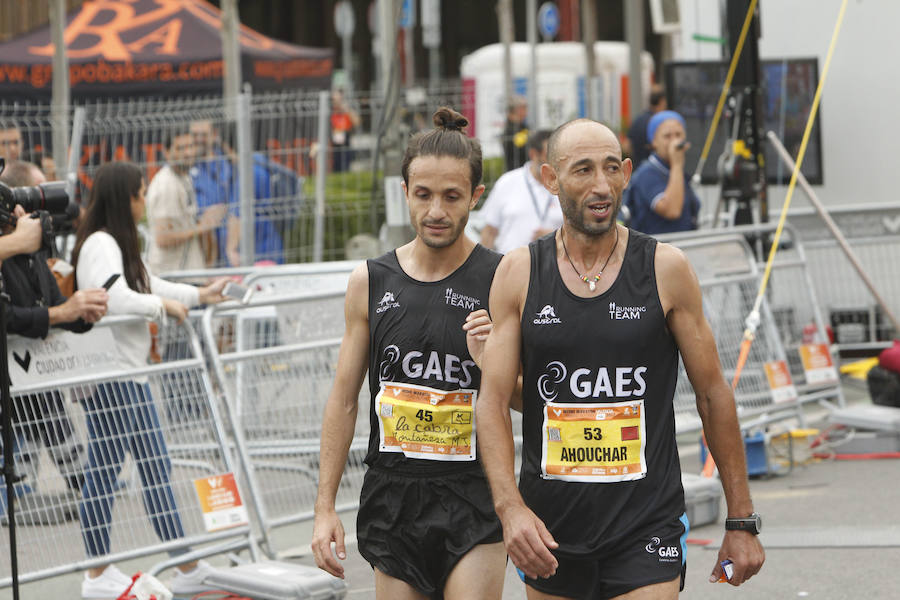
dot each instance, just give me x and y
(592, 283)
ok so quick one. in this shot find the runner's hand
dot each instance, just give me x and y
(528, 542)
(746, 553)
(327, 528)
(477, 327)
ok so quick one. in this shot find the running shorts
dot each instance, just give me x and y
(654, 557)
(417, 527)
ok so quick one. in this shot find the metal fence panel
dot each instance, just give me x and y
(276, 379)
(110, 462)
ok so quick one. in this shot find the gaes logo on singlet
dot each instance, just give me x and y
(616, 382)
(426, 367)
(547, 316)
(387, 301)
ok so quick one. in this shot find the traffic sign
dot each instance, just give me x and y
(344, 21)
(548, 20)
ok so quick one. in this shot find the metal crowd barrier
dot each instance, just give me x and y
(873, 232)
(729, 280)
(276, 377)
(124, 445)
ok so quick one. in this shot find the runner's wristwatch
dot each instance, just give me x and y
(753, 524)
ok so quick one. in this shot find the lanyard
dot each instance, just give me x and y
(541, 215)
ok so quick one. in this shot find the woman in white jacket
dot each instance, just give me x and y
(121, 415)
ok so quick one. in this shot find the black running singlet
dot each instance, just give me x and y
(422, 380)
(600, 461)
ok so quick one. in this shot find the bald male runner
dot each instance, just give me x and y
(596, 316)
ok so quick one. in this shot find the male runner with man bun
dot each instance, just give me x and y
(417, 320)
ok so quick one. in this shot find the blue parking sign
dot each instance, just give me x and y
(548, 20)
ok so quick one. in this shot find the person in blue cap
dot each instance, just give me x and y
(659, 195)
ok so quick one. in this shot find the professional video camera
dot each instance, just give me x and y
(48, 201)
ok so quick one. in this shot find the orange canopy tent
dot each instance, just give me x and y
(153, 48)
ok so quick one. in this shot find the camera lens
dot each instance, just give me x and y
(50, 196)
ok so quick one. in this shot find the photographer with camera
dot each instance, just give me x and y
(35, 304)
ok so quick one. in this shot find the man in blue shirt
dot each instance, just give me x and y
(277, 193)
(659, 196)
(215, 182)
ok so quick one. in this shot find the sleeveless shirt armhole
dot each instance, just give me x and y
(534, 254)
(651, 258)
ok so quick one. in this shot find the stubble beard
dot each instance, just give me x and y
(575, 216)
(455, 232)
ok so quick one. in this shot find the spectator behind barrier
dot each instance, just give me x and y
(11, 145)
(215, 182)
(181, 235)
(121, 415)
(659, 195)
(36, 304)
(515, 133)
(520, 209)
(637, 146)
(344, 121)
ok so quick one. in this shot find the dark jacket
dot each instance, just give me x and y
(32, 289)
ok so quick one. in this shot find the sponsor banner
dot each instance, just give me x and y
(780, 383)
(817, 364)
(220, 502)
(62, 354)
(593, 442)
(422, 422)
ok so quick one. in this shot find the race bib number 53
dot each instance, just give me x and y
(422, 422)
(594, 443)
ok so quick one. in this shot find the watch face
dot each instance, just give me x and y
(758, 522)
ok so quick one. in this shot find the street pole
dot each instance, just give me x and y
(589, 36)
(507, 34)
(634, 35)
(409, 46)
(231, 55)
(398, 232)
(531, 36)
(431, 39)
(60, 95)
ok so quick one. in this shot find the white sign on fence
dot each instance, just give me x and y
(62, 354)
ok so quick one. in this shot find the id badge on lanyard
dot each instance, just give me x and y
(594, 442)
(425, 423)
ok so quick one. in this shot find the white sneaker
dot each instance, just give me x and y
(190, 583)
(111, 583)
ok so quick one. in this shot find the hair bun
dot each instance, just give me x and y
(449, 120)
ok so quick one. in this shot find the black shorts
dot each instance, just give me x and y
(416, 528)
(655, 557)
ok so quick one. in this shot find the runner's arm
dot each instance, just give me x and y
(339, 421)
(527, 540)
(681, 296)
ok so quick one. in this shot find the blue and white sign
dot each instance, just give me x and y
(408, 14)
(548, 20)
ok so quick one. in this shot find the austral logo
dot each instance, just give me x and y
(547, 316)
(454, 298)
(625, 313)
(387, 301)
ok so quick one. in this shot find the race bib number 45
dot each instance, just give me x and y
(422, 422)
(594, 443)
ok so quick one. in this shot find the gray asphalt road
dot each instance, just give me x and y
(832, 531)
